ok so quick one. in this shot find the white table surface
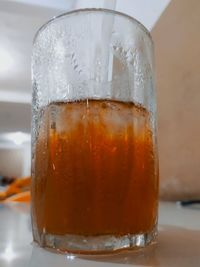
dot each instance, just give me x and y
(178, 242)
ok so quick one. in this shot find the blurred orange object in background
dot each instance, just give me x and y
(18, 191)
(20, 197)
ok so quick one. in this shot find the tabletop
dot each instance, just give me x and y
(178, 242)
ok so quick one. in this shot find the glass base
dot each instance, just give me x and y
(102, 244)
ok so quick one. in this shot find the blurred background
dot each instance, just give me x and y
(175, 29)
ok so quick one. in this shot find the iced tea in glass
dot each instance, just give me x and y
(94, 154)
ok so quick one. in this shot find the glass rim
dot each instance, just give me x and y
(103, 10)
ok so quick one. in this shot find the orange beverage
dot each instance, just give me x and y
(95, 169)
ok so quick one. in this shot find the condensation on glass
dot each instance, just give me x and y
(94, 151)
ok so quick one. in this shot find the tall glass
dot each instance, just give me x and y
(94, 151)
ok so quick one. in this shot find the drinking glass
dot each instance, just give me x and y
(94, 151)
